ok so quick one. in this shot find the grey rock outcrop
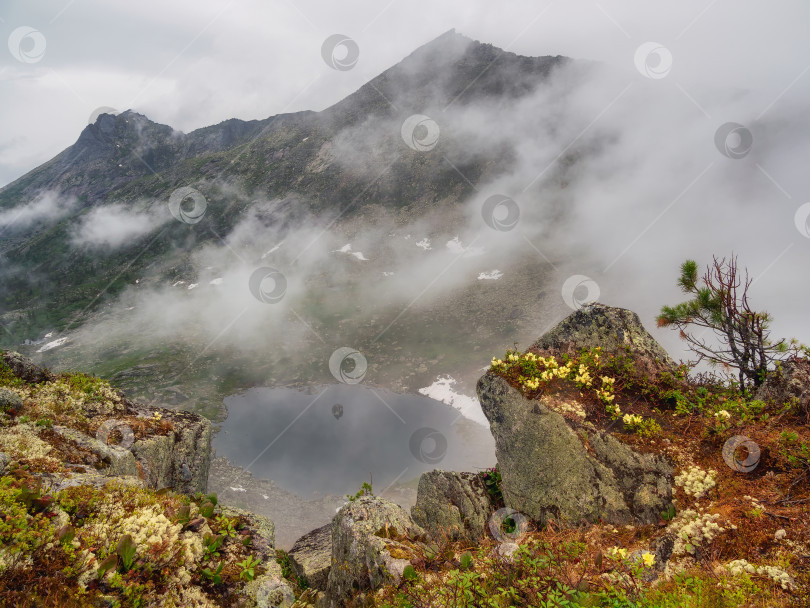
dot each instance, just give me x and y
(610, 328)
(372, 543)
(455, 505)
(23, 367)
(180, 459)
(311, 556)
(118, 461)
(263, 530)
(792, 382)
(10, 402)
(569, 471)
(269, 590)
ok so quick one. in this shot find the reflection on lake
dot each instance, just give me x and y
(332, 438)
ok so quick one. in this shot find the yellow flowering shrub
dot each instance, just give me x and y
(532, 371)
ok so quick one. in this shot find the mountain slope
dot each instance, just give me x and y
(129, 160)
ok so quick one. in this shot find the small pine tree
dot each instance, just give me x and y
(721, 304)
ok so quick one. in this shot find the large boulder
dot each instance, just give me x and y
(372, 543)
(452, 505)
(262, 529)
(24, 368)
(311, 557)
(791, 382)
(612, 329)
(180, 459)
(565, 469)
(10, 402)
(269, 590)
(115, 459)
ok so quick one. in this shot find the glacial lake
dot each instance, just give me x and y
(330, 439)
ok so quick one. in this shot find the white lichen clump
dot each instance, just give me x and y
(738, 566)
(21, 441)
(696, 482)
(694, 529)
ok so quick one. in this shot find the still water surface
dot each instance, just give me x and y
(330, 439)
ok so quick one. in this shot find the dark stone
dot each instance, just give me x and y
(24, 368)
(311, 556)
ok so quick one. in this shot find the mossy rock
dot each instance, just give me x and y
(10, 402)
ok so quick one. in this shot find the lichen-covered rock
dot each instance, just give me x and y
(645, 480)
(270, 590)
(610, 328)
(179, 460)
(547, 472)
(455, 505)
(10, 402)
(118, 461)
(57, 483)
(262, 528)
(311, 556)
(372, 542)
(791, 383)
(24, 368)
(4, 461)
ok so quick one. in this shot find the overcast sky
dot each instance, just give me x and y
(191, 63)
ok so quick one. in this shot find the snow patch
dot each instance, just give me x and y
(268, 252)
(50, 345)
(217, 281)
(424, 244)
(442, 390)
(192, 286)
(492, 275)
(347, 248)
(238, 489)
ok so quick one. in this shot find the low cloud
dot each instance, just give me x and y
(47, 208)
(116, 225)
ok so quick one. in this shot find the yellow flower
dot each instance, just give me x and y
(158, 416)
(632, 419)
(648, 558)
